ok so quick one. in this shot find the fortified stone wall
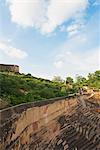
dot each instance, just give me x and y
(9, 68)
(58, 124)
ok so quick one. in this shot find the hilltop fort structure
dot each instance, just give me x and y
(9, 68)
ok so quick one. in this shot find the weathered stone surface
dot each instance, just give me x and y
(9, 68)
(59, 124)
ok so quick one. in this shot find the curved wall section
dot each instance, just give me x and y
(62, 123)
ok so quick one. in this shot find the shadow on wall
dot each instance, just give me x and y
(54, 124)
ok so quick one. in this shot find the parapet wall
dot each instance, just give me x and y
(20, 123)
(42, 125)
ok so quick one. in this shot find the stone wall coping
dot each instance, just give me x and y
(39, 103)
(10, 112)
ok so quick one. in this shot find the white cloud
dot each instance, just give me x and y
(76, 26)
(12, 52)
(79, 54)
(79, 63)
(27, 12)
(58, 64)
(74, 29)
(60, 60)
(59, 12)
(44, 15)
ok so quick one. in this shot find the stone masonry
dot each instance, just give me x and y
(71, 123)
(9, 68)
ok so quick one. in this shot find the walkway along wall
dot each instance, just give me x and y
(58, 124)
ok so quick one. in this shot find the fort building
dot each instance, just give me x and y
(9, 68)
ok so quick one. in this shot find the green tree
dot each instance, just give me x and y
(69, 80)
(81, 81)
(94, 80)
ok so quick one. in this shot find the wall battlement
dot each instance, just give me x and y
(9, 68)
(63, 123)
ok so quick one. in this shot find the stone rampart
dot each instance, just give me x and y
(58, 124)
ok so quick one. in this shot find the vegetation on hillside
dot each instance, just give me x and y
(21, 88)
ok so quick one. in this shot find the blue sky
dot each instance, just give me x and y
(51, 37)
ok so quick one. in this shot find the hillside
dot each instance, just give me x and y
(21, 88)
(16, 89)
